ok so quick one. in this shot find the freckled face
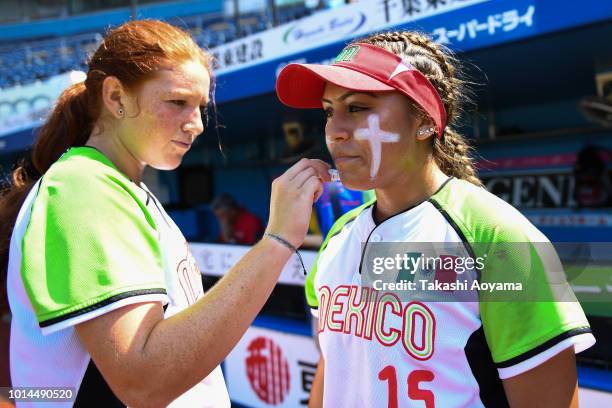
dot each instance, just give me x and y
(347, 111)
(165, 117)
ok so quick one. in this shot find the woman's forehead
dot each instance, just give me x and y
(334, 93)
(333, 90)
(189, 76)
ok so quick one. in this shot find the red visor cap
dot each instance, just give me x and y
(371, 69)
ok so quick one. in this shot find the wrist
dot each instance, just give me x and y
(287, 245)
(280, 240)
(277, 247)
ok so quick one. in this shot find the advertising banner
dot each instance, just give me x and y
(271, 368)
(461, 25)
(323, 28)
(217, 259)
(581, 179)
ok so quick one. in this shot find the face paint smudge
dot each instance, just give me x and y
(376, 137)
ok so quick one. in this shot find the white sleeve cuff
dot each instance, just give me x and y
(156, 297)
(580, 343)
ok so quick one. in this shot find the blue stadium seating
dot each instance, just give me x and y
(32, 61)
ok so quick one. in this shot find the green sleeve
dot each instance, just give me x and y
(546, 311)
(543, 313)
(90, 242)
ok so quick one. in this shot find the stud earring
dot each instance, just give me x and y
(120, 112)
(425, 131)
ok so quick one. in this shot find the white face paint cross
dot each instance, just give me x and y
(376, 137)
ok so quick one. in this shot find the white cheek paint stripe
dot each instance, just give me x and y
(376, 137)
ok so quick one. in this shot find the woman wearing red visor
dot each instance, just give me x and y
(391, 102)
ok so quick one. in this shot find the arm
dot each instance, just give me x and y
(316, 394)
(135, 342)
(551, 384)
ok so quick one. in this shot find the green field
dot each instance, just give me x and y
(593, 288)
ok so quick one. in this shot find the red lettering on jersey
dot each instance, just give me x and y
(389, 374)
(371, 314)
(421, 344)
(336, 308)
(416, 326)
(415, 393)
(189, 277)
(324, 297)
(392, 336)
(356, 310)
(424, 348)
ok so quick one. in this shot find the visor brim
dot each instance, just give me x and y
(302, 85)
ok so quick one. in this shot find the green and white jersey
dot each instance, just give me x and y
(381, 350)
(88, 241)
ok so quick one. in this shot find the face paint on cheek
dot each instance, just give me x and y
(376, 137)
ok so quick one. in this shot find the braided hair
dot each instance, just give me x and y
(451, 152)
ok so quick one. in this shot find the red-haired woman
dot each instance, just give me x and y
(105, 295)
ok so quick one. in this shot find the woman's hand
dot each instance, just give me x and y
(293, 194)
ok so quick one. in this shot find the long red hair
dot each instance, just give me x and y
(132, 53)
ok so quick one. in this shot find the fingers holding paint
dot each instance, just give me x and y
(300, 179)
(320, 167)
(312, 175)
(311, 184)
(292, 196)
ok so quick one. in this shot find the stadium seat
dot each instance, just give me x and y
(29, 61)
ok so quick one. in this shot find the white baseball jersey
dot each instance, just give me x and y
(88, 241)
(386, 350)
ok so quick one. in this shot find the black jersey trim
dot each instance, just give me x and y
(94, 391)
(443, 185)
(363, 250)
(105, 302)
(405, 210)
(39, 186)
(453, 224)
(151, 197)
(412, 206)
(543, 347)
(478, 355)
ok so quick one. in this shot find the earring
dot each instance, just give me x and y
(120, 112)
(425, 131)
